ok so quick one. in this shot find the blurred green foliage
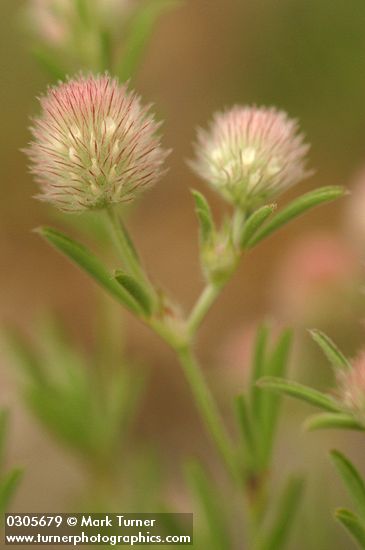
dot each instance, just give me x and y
(8, 480)
(85, 402)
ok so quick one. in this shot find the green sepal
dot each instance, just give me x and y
(337, 421)
(254, 222)
(352, 479)
(331, 351)
(90, 264)
(295, 209)
(204, 214)
(301, 392)
(352, 524)
(136, 290)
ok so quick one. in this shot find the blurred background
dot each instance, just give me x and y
(305, 56)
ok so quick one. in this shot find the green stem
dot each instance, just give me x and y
(239, 218)
(208, 408)
(130, 260)
(203, 305)
(214, 288)
(181, 344)
(127, 254)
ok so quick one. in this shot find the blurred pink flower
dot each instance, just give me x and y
(251, 155)
(94, 144)
(318, 275)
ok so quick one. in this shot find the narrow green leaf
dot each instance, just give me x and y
(331, 351)
(8, 487)
(210, 504)
(352, 479)
(303, 393)
(338, 421)
(138, 34)
(295, 209)
(352, 524)
(204, 215)
(278, 363)
(245, 423)
(286, 511)
(254, 222)
(136, 290)
(89, 263)
(270, 403)
(258, 366)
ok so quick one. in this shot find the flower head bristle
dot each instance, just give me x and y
(251, 155)
(94, 144)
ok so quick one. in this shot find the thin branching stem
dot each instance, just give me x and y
(127, 254)
(208, 408)
(202, 306)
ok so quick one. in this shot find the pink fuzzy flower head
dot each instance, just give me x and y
(94, 145)
(251, 155)
(352, 387)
